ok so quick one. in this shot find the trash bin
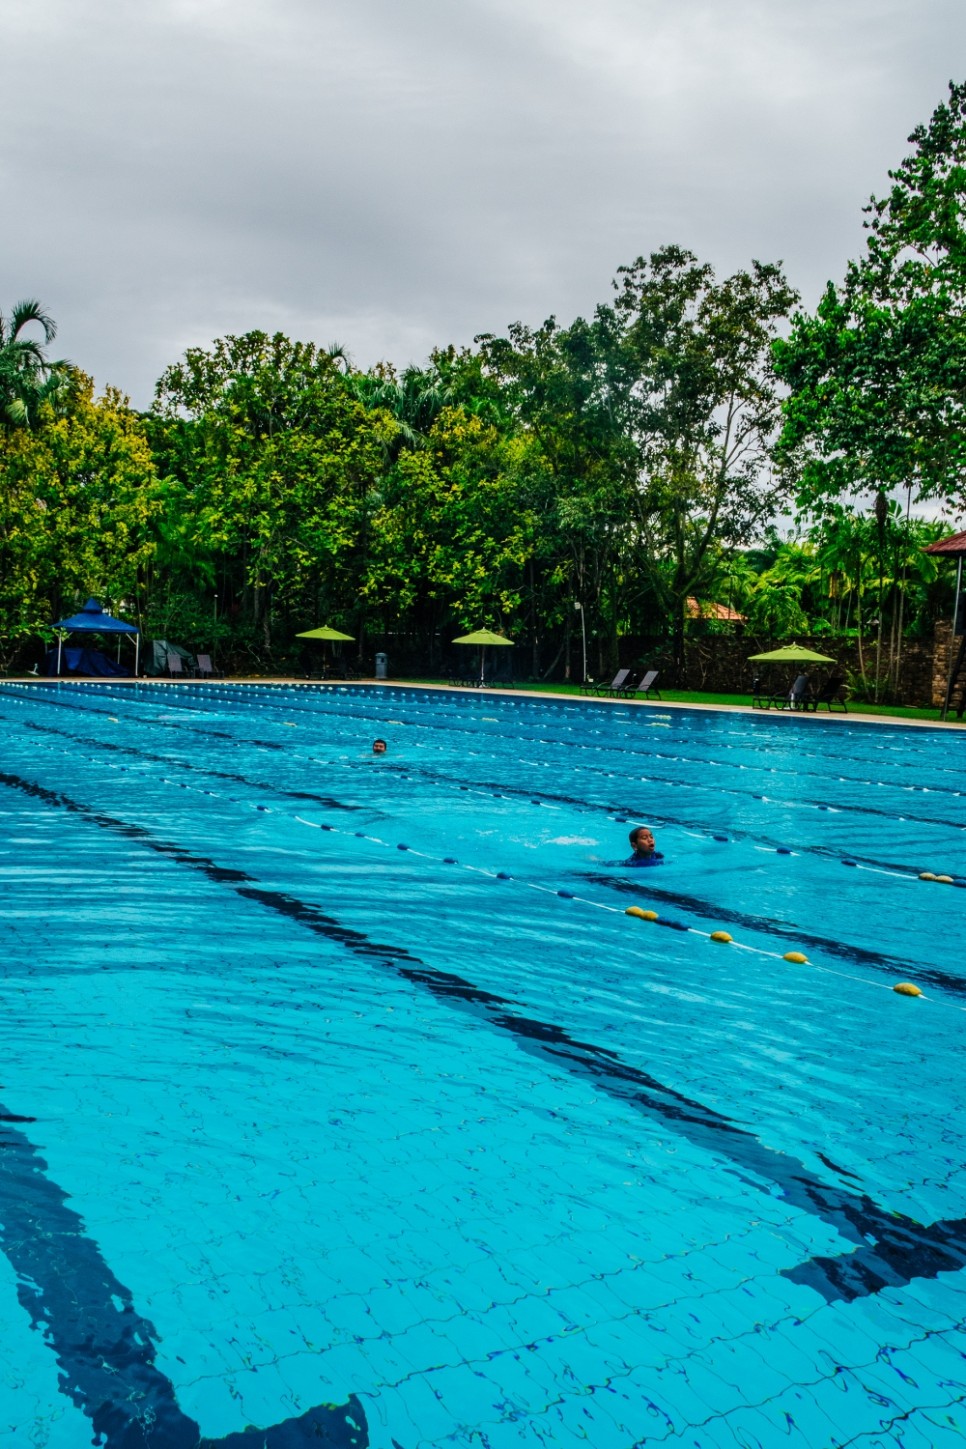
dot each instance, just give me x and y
(382, 666)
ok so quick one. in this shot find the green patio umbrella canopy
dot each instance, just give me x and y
(483, 637)
(790, 654)
(325, 633)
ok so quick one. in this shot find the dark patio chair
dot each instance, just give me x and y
(176, 669)
(647, 688)
(617, 686)
(204, 669)
(769, 698)
(833, 694)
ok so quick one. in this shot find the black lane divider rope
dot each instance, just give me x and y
(701, 762)
(169, 764)
(892, 1245)
(853, 955)
(318, 696)
(104, 1348)
(803, 804)
(163, 724)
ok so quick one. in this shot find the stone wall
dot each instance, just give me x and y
(718, 663)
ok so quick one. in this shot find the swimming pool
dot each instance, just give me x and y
(342, 1102)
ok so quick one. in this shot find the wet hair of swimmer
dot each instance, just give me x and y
(378, 747)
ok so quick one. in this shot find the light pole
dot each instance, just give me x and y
(583, 635)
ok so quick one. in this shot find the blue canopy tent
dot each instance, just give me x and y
(93, 620)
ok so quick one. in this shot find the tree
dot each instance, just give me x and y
(877, 376)
(564, 388)
(28, 380)
(79, 498)
(702, 411)
(273, 469)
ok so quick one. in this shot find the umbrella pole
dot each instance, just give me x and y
(137, 653)
(60, 646)
(482, 660)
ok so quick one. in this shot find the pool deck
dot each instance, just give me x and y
(852, 716)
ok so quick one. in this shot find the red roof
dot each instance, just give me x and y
(954, 545)
(704, 609)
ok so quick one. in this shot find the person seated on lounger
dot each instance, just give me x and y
(801, 692)
(642, 845)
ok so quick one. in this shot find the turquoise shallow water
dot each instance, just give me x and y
(312, 1138)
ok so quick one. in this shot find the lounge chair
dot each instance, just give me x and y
(647, 688)
(833, 694)
(763, 699)
(617, 686)
(176, 669)
(204, 669)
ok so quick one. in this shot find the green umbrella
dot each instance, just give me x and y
(324, 633)
(790, 654)
(483, 637)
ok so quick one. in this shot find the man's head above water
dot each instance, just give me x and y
(378, 747)
(642, 841)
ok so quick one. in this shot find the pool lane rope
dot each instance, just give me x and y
(903, 988)
(218, 691)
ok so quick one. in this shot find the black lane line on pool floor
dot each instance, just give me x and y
(112, 747)
(104, 1348)
(707, 910)
(641, 756)
(514, 791)
(903, 1248)
(488, 787)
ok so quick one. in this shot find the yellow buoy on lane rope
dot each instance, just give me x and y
(720, 936)
(906, 988)
(641, 915)
(797, 957)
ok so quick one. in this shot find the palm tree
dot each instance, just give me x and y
(27, 378)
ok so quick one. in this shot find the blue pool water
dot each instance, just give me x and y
(341, 1102)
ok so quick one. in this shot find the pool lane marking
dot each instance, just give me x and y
(583, 745)
(472, 790)
(491, 874)
(515, 793)
(903, 1247)
(613, 910)
(195, 699)
(105, 1349)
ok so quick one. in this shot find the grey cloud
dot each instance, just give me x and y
(399, 173)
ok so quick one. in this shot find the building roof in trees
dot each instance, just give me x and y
(954, 546)
(705, 609)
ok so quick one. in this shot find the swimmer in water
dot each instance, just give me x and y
(642, 844)
(378, 747)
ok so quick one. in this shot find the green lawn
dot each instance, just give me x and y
(696, 696)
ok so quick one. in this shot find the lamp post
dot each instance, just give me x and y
(583, 636)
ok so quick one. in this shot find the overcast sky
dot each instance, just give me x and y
(396, 174)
